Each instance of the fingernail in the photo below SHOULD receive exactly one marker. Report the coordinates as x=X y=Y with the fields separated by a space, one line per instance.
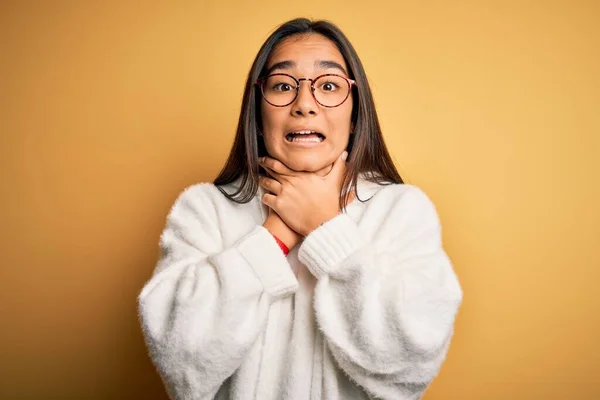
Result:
x=344 y=155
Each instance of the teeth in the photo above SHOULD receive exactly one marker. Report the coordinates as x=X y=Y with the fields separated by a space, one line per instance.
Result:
x=297 y=136
x=304 y=132
x=301 y=139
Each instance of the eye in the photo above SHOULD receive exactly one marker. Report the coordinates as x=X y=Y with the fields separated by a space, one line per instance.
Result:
x=329 y=86
x=282 y=87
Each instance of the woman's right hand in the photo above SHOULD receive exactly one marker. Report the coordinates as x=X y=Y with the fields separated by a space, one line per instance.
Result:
x=278 y=228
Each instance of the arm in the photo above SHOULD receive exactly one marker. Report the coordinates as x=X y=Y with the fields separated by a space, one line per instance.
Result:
x=386 y=308
x=205 y=305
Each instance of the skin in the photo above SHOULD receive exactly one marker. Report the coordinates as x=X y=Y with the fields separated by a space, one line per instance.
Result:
x=334 y=123
x=305 y=182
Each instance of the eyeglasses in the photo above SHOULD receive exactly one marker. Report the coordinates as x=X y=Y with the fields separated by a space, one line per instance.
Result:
x=329 y=90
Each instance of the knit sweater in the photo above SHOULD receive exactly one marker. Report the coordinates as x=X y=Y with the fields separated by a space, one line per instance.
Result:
x=362 y=308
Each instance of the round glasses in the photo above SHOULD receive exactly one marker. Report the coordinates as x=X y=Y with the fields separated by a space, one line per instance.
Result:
x=329 y=90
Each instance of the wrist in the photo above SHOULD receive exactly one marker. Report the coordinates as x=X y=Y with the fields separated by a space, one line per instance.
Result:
x=320 y=221
x=281 y=231
x=282 y=245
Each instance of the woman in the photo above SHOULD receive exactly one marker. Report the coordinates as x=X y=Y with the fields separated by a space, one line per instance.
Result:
x=308 y=270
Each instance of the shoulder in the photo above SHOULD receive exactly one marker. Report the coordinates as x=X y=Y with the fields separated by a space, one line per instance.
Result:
x=403 y=194
x=201 y=193
x=206 y=199
x=407 y=193
x=401 y=216
x=199 y=200
x=404 y=203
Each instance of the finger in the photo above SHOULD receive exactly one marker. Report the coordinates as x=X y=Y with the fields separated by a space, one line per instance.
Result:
x=270 y=200
x=274 y=174
x=270 y=185
x=339 y=165
x=276 y=165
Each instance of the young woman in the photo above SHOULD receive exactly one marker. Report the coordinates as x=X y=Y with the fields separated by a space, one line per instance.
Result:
x=308 y=269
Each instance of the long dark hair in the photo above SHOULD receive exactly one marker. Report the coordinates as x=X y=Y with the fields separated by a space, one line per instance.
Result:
x=368 y=155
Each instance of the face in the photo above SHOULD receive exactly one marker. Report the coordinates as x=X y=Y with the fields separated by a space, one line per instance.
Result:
x=306 y=57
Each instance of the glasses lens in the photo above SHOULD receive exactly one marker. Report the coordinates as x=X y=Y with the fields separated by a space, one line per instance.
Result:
x=331 y=90
x=279 y=90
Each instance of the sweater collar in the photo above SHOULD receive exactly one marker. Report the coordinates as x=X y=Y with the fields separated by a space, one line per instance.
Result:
x=365 y=188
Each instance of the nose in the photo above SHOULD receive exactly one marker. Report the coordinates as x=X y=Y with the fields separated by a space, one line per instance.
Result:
x=305 y=104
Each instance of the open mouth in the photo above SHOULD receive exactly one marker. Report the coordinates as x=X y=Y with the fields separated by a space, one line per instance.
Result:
x=305 y=136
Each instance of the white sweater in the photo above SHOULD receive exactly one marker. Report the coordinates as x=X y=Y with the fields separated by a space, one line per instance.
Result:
x=363 y=308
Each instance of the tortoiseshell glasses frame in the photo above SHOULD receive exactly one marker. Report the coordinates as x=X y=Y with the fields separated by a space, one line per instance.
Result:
x=349 y=82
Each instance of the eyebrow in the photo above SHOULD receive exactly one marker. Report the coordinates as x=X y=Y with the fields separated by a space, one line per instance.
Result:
x=321 y=64
x=326 y=64
x=281 y=65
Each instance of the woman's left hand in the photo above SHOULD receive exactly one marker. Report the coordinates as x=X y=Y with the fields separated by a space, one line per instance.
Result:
x=303 y=200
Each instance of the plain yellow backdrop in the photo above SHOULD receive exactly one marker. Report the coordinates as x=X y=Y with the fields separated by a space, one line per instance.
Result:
x=109 y=109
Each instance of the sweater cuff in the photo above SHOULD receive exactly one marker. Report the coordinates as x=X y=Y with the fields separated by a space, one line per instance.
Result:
x=324 y=249
x=270 y=265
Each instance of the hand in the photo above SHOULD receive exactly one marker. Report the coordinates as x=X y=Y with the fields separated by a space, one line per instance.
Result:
x=275 y=225
x=303 y=200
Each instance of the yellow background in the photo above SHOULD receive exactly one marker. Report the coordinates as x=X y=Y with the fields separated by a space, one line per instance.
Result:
x=109 y=109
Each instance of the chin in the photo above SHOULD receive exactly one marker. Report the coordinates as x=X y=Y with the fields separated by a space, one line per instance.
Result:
x=306 y=164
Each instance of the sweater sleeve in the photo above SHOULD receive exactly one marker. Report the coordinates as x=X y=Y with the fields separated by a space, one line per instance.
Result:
x=387 y=306
x=205 y=305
